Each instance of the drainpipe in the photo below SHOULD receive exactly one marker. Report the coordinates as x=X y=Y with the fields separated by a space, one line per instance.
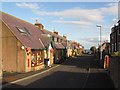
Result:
x=24 y=60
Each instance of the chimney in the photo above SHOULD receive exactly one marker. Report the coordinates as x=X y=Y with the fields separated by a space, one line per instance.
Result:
x=64 y=36
x=39 y=25
x=55 y=32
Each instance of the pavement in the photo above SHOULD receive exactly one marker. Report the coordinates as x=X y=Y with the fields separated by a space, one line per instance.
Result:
x=11 y=77
x=78 y=72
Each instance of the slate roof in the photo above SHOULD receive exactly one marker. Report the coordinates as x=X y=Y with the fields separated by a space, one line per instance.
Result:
x=59 y=46
x=46 y=39
x=64 y=44
x=29 y=35
x=25 y=32
x=53 y=34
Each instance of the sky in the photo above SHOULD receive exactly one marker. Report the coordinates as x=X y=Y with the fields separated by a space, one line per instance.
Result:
x=76 y=20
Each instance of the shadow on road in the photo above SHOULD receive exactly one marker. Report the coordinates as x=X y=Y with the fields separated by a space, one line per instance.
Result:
x=88 y=61
x=76 y=72
x=63 y=79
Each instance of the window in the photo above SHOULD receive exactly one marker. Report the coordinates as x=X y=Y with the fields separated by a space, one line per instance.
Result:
x=23 y=31
x=61 y=40
x=112 y=30
x=27 y=31
x=119 y=47
x=119 y=31
x=112 y=48
x=115 y=46
x=57 y=39
x=36 y=58
x=52 y=38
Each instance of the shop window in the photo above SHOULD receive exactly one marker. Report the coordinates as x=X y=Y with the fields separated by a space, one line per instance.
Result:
x=39 y=59
x=36 y=58
x=33 y=60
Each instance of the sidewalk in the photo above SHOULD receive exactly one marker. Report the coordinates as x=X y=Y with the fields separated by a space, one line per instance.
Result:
x=10 y=77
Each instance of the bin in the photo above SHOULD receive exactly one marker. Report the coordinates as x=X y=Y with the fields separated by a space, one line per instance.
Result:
x=46 y=61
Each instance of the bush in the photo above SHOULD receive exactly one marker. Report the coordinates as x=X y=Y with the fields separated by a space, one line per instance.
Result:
x=116 y=53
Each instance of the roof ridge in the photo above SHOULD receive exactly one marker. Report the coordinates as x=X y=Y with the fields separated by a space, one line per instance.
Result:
x=17 y=18
x=23 y=39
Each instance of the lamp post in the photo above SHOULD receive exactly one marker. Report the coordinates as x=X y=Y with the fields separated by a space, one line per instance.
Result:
x=100 y=41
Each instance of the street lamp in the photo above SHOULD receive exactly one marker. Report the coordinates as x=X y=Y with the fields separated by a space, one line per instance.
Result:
x=100 y=26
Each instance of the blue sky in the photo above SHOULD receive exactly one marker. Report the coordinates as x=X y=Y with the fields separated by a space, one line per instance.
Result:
x=76 y=20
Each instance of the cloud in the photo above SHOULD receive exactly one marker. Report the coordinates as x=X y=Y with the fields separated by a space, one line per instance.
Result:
x=83 y=16
x=34 y=18
x=33 y=6
x=87 y=42
x=73 y=22
x=76 y=13
x=111 y=8
x=94 y=39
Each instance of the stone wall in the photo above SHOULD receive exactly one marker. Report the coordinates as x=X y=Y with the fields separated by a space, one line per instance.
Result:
x=115 y=71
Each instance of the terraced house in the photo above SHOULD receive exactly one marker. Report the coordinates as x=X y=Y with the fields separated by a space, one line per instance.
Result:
x=27 y=47
x=22 y=47
x=59 y=44
x=115 y=38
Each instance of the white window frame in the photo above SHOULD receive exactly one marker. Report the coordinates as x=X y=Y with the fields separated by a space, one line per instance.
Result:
x=112 y=48
x=118 y=31
x=119 y=46
x=115 y=47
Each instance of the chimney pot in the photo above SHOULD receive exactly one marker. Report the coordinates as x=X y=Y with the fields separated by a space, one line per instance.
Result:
x=64 y=36
x=55 y=32
x=39 y=25
x=36 y=21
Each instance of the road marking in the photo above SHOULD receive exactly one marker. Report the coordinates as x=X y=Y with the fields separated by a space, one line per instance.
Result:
x=29 y=76
x=86 y=79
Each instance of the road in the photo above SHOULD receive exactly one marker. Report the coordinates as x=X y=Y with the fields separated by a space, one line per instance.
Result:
x=78 y=72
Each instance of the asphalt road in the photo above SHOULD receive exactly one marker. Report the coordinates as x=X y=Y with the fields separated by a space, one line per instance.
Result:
x=78 y=72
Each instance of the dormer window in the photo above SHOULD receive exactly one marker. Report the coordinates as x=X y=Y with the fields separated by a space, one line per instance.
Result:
x=52 y=38
x=60 y=40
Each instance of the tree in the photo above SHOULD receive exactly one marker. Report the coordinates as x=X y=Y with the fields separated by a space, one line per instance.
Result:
x=93 y=49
